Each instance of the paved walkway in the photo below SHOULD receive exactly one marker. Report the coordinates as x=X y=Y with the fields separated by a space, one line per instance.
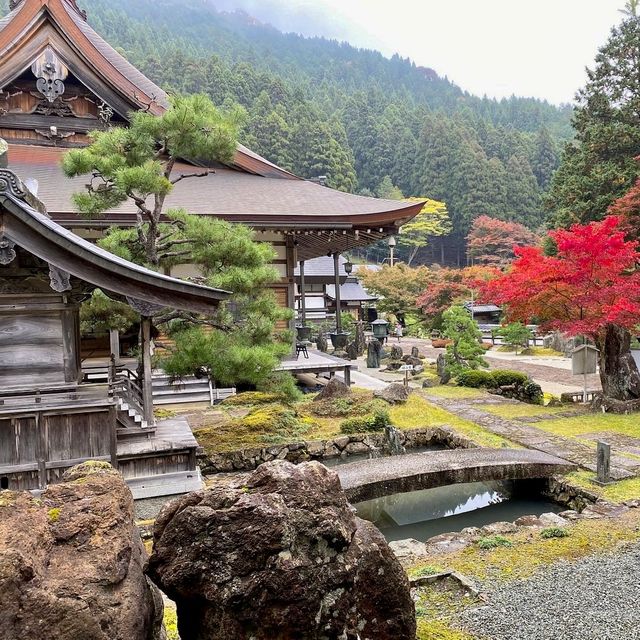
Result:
x=532 y=437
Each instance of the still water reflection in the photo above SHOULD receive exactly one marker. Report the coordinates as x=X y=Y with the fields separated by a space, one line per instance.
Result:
x=422 y=514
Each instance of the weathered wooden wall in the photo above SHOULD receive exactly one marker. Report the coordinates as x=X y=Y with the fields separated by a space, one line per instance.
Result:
x=36 y=447
x=38 y=344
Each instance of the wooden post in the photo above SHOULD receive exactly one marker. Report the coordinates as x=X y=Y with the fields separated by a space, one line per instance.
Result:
x=114 y=345
x=336 y=273
x=147 y=388
x=113 y=437
x=303 y=300
x=347 y=375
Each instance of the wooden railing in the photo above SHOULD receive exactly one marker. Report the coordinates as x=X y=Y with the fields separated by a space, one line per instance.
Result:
x=126 y=386
x=49 y=398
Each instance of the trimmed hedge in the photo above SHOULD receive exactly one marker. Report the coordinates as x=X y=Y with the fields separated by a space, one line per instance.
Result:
x=503 y=377
x=511 y=384
x=476 y=378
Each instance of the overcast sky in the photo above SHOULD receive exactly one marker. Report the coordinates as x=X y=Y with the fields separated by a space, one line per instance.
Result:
x=499 y=47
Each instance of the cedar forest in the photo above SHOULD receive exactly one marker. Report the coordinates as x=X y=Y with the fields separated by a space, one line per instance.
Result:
x=372 y=125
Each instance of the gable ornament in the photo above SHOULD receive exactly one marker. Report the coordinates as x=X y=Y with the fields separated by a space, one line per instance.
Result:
x=50 y=73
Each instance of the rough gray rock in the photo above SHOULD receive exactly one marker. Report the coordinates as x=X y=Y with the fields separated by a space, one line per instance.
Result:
x=321 y=343
x=396 y=352
x=279 y=555
x=374 y=353
x=441 y=367
x=71 y=562
x=409 y=548
x=395 y=393
x=334 y=389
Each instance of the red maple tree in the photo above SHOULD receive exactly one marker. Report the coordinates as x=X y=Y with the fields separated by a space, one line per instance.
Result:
x=448 y=286
x=492 y=241
x=591 y=286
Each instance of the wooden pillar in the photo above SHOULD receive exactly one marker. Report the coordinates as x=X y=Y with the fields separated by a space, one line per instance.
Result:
x=113 y=437
x=147 y=388
x=114 y=345
x=303 y=300
x=336 y=273
x=347 y=375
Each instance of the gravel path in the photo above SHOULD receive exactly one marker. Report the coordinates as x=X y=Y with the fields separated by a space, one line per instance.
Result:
x=595 y=598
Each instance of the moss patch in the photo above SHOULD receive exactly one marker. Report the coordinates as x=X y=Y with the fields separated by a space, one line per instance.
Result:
x=529 y=551
x=617 y=492
x=628 y=425
x=53 y=514
x=251 y=398
x=436 y=604
x=439 y=630
x=449 y=391
x=171 y=622
x=418 y=412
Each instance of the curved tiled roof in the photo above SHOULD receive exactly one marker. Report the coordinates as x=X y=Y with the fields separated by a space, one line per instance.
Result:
x=229 y=194
x=35 y=231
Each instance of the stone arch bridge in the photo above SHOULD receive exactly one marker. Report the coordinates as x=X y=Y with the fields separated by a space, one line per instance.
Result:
x=380 y=477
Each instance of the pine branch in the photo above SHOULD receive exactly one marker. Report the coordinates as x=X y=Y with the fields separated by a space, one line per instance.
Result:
x=182 y=176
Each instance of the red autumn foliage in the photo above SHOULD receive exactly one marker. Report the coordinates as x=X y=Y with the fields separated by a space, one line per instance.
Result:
x=448 y=286
x=492 y=241
x=592 y=282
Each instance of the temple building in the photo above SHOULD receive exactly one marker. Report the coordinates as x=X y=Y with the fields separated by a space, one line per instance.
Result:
x=59 y=80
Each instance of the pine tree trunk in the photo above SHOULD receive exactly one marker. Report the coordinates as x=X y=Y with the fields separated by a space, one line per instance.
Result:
x=619 y=374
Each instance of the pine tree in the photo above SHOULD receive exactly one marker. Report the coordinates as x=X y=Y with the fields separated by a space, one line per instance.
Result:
x=545 y=158
x=599 y=166
x=135 y=165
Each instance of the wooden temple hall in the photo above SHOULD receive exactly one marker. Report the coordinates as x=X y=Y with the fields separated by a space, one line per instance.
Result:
x=59 y=80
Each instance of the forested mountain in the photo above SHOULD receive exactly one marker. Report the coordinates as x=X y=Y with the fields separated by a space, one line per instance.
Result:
x=321 y=107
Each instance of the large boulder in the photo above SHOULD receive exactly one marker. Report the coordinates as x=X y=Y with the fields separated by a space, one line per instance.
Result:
x=334 y=389
x=395 y=393
x=71 y=562
x=279 y=556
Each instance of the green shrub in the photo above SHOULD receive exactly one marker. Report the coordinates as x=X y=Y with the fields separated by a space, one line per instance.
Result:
x=281 y=384
x=492 y=542
x=554 y=532
x=475 y=378
x=504 y=377
x=376 y=421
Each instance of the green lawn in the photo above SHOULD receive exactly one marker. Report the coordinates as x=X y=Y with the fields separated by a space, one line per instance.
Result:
x=628 y=425
x=449 y=391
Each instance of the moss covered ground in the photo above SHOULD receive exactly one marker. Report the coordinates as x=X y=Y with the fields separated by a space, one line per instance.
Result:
x=628 y=425
x=235 y=426
x=438 y=603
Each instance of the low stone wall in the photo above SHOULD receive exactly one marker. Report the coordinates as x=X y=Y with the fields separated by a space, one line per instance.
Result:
x=568 y=495
x=341 y=446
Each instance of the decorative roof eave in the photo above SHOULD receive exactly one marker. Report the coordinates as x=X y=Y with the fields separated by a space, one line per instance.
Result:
x=34 y=231
x=26 y=20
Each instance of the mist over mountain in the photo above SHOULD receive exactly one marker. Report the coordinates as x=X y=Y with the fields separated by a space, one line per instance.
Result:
x=370 y=123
